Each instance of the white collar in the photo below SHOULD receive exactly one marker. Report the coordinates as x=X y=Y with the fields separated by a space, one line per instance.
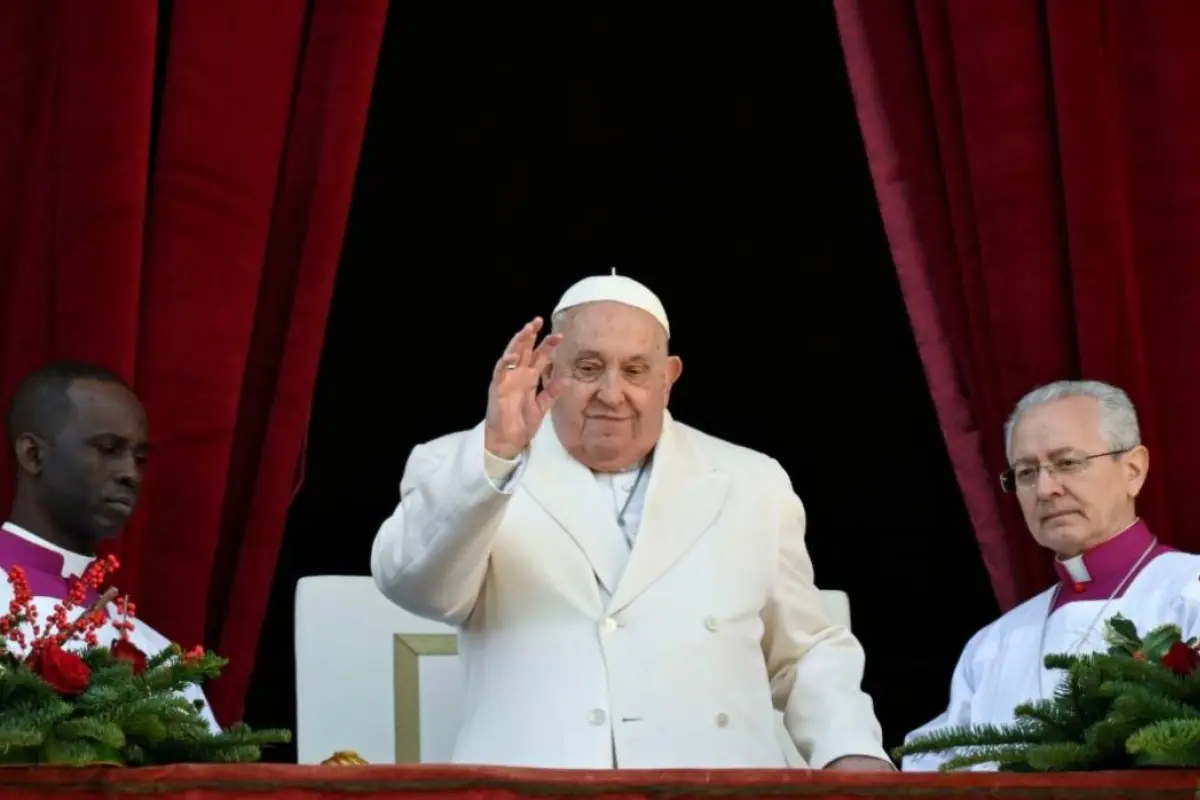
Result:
x=74 y=564
x=1076 y=568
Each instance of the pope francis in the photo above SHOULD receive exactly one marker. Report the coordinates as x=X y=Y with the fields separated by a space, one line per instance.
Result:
x=630 y=592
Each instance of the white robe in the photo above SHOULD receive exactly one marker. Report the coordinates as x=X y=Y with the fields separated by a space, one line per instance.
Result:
x=582 y=652
x=145 y=638
x=1002 y=665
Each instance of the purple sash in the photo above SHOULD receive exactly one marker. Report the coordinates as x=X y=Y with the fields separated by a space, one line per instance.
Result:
x=43 y=568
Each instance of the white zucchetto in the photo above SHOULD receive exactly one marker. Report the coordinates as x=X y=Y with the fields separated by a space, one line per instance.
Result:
x=615 y=288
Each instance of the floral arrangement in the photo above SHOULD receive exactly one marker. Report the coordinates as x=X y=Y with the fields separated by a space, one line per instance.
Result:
x=103 y=704
x=1135 y=706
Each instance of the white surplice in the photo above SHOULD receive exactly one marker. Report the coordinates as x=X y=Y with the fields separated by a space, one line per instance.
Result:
x=144 y=637
x=1002 y=665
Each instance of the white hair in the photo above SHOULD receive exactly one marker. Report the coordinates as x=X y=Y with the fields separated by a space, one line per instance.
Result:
x=559 y=320
x=1118 y=418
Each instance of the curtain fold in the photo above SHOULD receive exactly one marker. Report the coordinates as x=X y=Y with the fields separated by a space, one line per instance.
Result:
x=202 y=271
x=1035 y=165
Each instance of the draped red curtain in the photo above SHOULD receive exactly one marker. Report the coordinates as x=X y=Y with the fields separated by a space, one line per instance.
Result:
x=184 y=229
x=1037 y=165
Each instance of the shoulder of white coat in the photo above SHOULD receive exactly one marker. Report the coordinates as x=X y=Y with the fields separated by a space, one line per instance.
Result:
x=447 y=442
x=723 y=454
x=440 y=447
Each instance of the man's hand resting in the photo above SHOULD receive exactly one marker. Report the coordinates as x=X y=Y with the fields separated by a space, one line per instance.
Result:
x=860 y=764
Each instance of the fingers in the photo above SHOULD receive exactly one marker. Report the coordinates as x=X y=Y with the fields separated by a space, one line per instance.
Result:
x=503 y=366
x=541 y=356
x=545 y=398
x=535 y=406
x=521 y=353
x=522 y=343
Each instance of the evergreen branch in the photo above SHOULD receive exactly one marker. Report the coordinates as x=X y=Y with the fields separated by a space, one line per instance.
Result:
x=120 y=718
x=1061 y=757
x=1053 y=721
x=1121 y=709
x=1106 y=668
x=962 y=738
x=1146 y=703
x=1167 y=743
x=1063 y=661
x=1002 y=755
x=104 y=705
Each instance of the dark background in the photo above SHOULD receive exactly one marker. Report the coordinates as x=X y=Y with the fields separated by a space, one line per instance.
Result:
x=714 y=155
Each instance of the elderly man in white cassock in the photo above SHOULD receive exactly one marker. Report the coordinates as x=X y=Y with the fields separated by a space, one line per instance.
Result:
x=1077 y=466
x=630 y=592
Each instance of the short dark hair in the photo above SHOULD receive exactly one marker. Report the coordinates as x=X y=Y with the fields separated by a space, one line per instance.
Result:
x=41 y=405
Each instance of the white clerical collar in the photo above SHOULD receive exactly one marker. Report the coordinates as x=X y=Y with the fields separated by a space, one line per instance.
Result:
x=74 y=564
x=630 y=471
x=1076 y=566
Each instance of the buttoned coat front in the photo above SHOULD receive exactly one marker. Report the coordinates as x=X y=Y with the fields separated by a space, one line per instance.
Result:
x=672 y=655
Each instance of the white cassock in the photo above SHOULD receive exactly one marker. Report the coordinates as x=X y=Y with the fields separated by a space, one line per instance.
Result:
x=145 y=638
x=666 y=644
x=1002 y=665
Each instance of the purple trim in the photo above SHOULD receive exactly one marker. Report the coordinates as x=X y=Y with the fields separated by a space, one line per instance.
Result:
x=43 y=568
x=1109 y=564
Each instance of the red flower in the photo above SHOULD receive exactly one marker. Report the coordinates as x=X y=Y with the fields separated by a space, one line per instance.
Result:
x=65 y=672
x=1181 y=659
x=124 y=650
x=192 y=656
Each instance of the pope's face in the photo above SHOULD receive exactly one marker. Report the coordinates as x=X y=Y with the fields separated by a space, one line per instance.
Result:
x=1086 y=500
x=618 y=379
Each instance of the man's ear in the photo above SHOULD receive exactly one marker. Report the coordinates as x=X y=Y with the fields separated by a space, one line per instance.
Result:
x=30 y=452
x=674 y=370
x=1137 y=464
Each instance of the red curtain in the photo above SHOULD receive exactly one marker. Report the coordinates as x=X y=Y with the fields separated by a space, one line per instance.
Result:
x=201 y=269
x=1037 y=166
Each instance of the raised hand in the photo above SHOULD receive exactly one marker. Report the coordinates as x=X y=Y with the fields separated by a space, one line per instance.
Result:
x=516 y=407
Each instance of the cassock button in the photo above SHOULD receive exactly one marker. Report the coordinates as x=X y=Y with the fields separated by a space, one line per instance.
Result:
x=597 y=716
x=610 y=625
x=722 y=720
x=1079 y=587
x=711 y=623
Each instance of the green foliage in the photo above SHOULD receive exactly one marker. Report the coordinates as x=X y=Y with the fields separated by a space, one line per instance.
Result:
x=1122 y=709
x=120 y=718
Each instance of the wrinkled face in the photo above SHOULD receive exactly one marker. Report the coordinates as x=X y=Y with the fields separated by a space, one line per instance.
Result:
x=89 y=476
x=1086 y=500
x=618 y=378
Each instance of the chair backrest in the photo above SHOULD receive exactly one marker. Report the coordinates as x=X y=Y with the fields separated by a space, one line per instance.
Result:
x=375 y=679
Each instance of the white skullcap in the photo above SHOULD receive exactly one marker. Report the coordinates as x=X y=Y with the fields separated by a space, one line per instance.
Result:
x=615 y=288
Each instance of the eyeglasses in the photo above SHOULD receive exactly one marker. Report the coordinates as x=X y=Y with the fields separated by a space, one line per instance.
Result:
x=1026 y=475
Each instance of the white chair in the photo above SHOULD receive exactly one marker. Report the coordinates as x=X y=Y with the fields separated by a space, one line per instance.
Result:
x=375 y=679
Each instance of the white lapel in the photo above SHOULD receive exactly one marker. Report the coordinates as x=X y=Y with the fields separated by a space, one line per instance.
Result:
x=567 y=490
x=684 y=496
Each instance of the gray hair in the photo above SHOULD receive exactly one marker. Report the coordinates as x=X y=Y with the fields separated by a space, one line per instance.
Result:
x=1118 y=418
x=559 y=320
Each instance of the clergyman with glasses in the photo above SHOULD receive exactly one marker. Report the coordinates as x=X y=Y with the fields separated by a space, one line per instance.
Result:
x=1076 y=465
